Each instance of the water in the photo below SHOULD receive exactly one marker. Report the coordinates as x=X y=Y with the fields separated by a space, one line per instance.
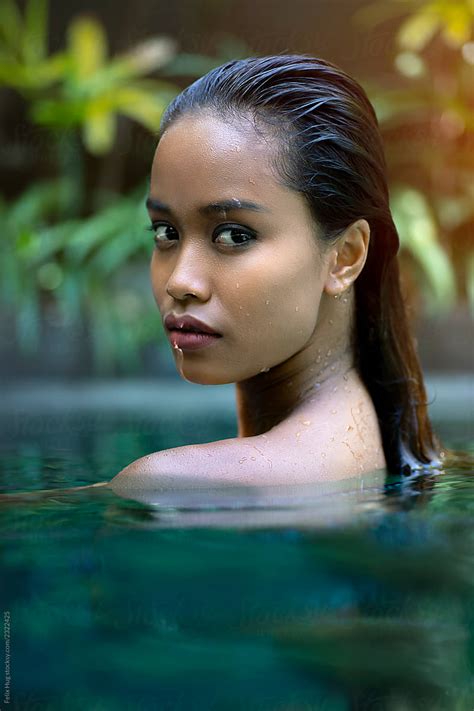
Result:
x=355 y=598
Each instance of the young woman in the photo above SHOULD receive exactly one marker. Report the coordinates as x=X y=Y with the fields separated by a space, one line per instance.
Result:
x=275 y=267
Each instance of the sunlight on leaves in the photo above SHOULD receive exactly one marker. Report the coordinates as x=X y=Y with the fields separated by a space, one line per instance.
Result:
x=410 y=64
x=99 y=127
x=87 y=46
x=454 y=19
x=149 y=55
x=419 y=234
x=421 y=20
x=418 y=30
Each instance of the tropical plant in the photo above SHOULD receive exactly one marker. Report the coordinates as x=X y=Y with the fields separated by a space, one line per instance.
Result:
x=427 y=124
x=64 y=250
x=80 y=87
x=76 y=266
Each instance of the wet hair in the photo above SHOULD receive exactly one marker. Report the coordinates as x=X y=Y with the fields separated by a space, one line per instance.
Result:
x=329 y=149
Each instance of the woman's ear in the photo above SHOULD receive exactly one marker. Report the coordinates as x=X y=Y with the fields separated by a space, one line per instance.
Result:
x=347 y=258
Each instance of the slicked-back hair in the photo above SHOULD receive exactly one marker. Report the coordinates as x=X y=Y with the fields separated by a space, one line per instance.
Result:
x=329 y=149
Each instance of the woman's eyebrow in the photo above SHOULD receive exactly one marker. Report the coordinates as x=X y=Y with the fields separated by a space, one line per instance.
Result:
x=222 y=206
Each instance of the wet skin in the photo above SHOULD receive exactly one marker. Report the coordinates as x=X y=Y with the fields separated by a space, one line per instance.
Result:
x=283 y=304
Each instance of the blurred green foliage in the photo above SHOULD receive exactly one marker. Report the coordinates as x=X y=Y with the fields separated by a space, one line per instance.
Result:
x=427 y=123
x=56 y=253
x=80 y=87
x=78 y=263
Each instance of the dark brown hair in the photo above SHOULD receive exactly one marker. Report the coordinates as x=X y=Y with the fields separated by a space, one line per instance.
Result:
x=329 y=149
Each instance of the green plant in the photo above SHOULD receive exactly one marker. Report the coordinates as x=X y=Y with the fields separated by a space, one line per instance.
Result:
x=427 y=124
x=66 y=250
x=78 y=266
x=81 y=87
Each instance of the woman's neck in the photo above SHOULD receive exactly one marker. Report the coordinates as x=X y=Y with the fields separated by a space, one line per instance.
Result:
x=320 y=368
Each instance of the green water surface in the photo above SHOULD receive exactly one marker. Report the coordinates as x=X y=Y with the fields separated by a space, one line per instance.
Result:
x=359 y=599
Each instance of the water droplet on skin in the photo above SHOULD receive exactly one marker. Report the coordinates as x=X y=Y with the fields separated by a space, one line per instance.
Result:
x=334 y=389
x=329 y=352
x=241 y=461
x=298 y=434
x=265 y=370
x=251 y=181
x=345 y=302
x=264 y=436
x=346 y=389
x=306 y=422
x=253 y=459
x=179 y=360
x=333 y=367
x=317 y=385
x=333 y=412
x=297 y=308
x=325 y=363
x=267 y=302
x=318 y=359
x=241 y=307
x=331 y=321
x=247 y=314
x=237 y=285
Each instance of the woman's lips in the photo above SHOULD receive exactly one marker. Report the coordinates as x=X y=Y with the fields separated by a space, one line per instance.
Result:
x=191 y=341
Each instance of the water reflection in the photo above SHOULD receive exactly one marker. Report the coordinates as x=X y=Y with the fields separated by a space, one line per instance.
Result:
x=355 y=596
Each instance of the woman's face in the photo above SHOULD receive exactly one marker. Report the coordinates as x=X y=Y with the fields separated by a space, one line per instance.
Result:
x=254 y=275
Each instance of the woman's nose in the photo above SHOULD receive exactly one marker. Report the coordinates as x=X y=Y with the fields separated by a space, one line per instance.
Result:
x=188 y=279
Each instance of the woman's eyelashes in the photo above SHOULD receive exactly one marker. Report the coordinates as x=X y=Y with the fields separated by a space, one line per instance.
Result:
x=243 y=236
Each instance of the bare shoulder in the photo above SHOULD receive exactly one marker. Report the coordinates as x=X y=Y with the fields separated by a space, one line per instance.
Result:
x=323 y=441
x=338 y=436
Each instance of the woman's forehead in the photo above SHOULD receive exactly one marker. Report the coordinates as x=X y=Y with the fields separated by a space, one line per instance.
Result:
x=206 y=160
x=193 y=140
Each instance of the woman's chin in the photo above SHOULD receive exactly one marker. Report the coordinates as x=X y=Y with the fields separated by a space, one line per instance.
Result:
x=200 y=378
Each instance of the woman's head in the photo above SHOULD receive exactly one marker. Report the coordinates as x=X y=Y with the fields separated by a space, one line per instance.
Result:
x=323 y=131
x=256 y=272
x=298 y=136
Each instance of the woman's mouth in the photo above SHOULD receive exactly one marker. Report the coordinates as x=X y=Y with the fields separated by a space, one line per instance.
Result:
x=191 y=340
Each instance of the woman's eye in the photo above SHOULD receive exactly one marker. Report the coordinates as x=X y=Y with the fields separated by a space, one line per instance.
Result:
x=161 y=233
x=235 y=233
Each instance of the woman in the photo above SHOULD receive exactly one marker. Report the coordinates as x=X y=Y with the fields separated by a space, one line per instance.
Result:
x=270 y=215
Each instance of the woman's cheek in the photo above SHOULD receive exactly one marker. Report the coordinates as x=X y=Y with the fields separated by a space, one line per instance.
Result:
x=158 y=284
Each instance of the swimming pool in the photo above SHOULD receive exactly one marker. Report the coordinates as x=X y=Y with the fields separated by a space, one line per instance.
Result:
x=360 y=598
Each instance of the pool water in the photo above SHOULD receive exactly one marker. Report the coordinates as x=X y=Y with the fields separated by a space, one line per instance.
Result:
x=359 y=598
